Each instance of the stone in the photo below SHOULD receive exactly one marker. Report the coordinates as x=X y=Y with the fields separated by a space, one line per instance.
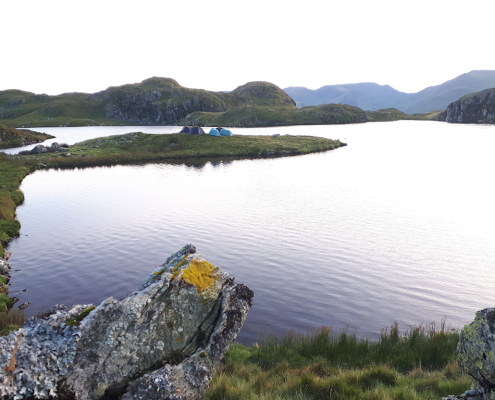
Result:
x=6 y=255
x=4 y=267
x=39 y=149
x=165 y=340
x=23 y=306
x=475 y=352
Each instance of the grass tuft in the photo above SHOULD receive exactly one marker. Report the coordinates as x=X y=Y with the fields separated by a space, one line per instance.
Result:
x=323 y=365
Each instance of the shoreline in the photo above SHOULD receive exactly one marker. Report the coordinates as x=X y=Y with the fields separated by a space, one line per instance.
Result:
x=139 y=148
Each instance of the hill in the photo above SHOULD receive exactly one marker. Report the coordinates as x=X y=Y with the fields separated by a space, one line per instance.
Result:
x=11 y=137
x=371 y=96
x=474 y=108
x=162 y=101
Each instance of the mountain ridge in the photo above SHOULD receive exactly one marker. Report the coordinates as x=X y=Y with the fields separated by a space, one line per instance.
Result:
x=372 y=96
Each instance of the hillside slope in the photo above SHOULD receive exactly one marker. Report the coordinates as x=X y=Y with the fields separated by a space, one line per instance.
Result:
x=372 y=97
x=11 y=137
x=475 y=108
x=162 y=101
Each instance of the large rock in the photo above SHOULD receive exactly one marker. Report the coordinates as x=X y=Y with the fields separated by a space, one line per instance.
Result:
x=474 y=108
x=163 y=341
x=476 y=349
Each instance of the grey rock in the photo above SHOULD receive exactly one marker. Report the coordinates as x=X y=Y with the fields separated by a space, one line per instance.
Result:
x=4 y=267
x=163 y=341
x=7 y=255
x=475 y=108
x=476 y=349
x=39 y=149
x=23 y=306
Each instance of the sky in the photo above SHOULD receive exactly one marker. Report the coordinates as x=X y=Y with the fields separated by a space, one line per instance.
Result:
x=55 y=47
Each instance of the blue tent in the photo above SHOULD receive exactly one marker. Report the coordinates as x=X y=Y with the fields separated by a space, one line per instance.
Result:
x=214 y=132
x=197 y=130
x=186 y=129
x=225 y=132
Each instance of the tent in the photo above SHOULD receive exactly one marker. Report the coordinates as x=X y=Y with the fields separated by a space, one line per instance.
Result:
x=225 y=132
x=214 y=132
x=219 y=129
x=186 y=129
x=197 y=130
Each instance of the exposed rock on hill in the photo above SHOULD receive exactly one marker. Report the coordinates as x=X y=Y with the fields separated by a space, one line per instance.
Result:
x=475 y=108
x=163 y=341
x=162 y=101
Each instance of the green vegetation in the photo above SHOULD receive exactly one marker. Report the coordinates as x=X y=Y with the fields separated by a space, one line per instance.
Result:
x=392 y=114
x=251 y=116
x=12 y=172
x=164 y=101
x=10 y=321
x=146 y=147
x=11 y=137
x=420 y=364
x=76 y=321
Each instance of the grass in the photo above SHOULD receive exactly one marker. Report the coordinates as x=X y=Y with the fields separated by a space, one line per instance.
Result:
x=138 y=147
x=11 y=137
x=251 y=116
x=10 y=321
x=392 y=114
x=419 y=364
x=12 y=172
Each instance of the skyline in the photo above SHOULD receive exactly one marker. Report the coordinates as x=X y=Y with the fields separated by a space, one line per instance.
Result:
x=57 y=47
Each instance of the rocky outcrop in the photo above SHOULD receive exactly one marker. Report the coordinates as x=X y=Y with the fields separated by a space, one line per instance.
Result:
x=475 y=354
x=475 y=108
x=163 y=341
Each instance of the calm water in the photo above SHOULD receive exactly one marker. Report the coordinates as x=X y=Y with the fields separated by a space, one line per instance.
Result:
x=397 y=226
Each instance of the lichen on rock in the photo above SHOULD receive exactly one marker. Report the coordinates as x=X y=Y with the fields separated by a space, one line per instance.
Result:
x=475 y=352
x=163 y=341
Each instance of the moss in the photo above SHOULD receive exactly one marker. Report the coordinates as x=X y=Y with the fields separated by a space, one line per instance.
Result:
x=76 y=321
x=3 y=281
x=5 y=302
x=201 y=274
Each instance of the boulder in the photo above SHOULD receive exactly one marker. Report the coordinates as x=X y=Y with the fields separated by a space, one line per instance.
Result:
x=39 y=149
x=165 y=340
x=4 y=267
x=476 y=352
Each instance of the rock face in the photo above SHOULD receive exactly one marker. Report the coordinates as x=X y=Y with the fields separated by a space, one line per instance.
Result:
x=476 y=349
x=475 y=108
x=163 y=341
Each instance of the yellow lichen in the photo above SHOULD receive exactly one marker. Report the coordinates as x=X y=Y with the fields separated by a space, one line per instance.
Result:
x=201 y=274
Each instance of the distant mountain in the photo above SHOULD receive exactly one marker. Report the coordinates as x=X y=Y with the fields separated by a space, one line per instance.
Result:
x=371 y=96
x=474 y=108
x=162 y=101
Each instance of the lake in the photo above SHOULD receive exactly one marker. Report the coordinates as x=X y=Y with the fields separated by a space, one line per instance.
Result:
x=397 y=226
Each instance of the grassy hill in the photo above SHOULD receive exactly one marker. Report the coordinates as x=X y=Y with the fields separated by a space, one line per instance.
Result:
x=251 y=116
x=392 y=114
x=162 y=101
x=11 y=137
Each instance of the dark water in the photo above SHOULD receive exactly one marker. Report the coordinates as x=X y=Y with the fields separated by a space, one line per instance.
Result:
x=397 y=226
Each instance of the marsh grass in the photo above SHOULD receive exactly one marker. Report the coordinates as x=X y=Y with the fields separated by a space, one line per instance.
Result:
x=418 y=364
x=10 y=321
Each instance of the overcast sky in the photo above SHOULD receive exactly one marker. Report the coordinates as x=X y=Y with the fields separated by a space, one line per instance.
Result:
x=53 y=46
